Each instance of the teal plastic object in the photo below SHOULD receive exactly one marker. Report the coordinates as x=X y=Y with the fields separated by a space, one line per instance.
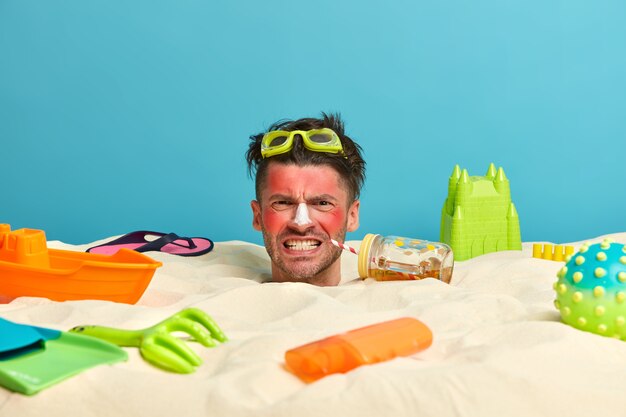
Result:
x=158 y=347
x=19 y=338
x=34 y=358
x=478 y=216
x=591 y=289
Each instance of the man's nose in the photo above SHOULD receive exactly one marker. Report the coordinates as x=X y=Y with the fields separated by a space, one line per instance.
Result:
x=301 y=219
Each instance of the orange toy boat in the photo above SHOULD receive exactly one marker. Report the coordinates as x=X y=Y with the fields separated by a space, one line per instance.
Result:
x=29 y=268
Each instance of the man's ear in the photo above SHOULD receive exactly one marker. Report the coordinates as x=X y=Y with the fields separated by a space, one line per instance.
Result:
x=256 y=215
x=353 y=216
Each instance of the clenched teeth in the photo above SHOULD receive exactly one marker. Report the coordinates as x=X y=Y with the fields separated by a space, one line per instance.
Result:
x=302 y=244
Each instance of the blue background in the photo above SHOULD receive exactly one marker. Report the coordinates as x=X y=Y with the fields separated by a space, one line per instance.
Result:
x=124 y=115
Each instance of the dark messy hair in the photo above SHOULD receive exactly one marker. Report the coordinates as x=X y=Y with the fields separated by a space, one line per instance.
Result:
x=350 y=166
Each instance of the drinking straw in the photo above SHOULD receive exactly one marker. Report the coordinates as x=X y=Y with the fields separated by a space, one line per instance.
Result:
x=344 y=247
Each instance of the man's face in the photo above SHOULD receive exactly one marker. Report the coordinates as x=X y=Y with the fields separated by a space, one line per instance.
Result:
x=297 y=236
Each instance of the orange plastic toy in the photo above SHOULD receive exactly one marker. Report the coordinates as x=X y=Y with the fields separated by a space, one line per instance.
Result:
x=366 y=345
x=29 y=268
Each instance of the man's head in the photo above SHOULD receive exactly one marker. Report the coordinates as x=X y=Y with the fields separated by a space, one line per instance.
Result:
x=306 y=197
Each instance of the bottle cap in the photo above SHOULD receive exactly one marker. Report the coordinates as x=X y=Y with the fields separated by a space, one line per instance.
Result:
x=364 y=254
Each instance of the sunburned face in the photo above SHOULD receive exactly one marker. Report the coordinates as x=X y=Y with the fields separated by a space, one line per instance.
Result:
x=301 y=209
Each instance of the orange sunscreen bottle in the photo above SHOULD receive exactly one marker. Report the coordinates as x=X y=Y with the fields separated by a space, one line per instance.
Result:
x=366 y=345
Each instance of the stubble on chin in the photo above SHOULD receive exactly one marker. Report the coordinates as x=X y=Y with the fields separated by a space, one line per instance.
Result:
x=299 y=270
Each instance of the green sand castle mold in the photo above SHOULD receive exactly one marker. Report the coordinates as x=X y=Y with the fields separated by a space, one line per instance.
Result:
x=478 y=216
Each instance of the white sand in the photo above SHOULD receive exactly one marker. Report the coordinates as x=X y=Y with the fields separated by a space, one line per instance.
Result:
x=499 y=347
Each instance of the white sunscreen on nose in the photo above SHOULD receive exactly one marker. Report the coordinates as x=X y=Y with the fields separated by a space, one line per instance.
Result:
x=302 y=215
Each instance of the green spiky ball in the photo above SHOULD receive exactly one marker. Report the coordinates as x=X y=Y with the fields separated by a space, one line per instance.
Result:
x=591 y=289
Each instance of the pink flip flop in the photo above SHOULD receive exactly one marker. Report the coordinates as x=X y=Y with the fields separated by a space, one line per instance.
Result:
x=169 y=243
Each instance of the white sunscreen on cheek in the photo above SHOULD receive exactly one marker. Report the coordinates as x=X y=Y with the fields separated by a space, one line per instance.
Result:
x=302 y=215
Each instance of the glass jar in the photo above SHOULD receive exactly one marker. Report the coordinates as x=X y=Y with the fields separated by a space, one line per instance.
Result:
x=391 y=258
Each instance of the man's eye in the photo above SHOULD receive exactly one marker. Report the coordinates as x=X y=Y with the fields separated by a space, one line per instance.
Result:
x=281 y=205
x=324 y=205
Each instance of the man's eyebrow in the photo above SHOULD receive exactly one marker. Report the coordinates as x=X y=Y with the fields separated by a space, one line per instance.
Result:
x=280 y=197
x=320 y=197
x=323 y=197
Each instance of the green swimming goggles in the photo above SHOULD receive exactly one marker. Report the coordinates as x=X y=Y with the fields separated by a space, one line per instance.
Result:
x=318 y=140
